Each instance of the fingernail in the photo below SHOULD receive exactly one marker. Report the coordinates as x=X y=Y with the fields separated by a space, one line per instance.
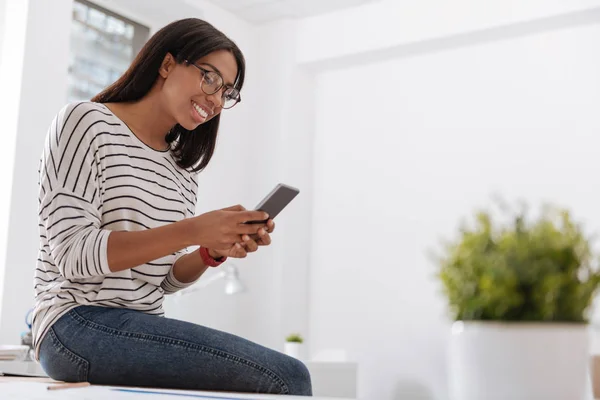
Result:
x=237 y=246
x=266 y=216
x=246 y=238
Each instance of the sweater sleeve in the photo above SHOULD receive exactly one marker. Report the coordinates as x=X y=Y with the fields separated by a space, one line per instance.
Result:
x=70 y=193
x=170 y=284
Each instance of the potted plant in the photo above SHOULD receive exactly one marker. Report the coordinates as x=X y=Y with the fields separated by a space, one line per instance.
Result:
x=519 y=293
x=293 y=345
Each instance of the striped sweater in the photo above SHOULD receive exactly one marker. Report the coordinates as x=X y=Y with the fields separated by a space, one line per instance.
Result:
x=96 y=176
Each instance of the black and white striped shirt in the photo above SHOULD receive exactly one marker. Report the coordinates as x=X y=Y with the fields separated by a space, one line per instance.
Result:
x=96 y=176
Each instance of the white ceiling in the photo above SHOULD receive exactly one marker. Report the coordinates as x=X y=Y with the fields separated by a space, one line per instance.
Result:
x=261 y=11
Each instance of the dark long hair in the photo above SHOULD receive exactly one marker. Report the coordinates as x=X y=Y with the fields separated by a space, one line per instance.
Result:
x=190 y=39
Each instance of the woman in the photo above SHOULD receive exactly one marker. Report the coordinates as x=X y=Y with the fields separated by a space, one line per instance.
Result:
x=118 y=192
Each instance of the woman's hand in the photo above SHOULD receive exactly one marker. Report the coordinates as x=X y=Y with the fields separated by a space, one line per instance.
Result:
x=250 y=243
x=221 y=230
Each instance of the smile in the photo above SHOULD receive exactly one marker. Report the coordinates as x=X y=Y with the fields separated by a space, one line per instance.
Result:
x=202 y=112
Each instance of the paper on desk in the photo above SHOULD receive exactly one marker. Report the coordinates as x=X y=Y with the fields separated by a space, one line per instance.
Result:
x=39 y=391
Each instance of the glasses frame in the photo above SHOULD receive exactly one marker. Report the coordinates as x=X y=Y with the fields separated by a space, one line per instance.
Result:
x=223 y=85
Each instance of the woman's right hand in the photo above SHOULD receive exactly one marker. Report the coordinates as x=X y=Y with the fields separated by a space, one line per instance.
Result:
x=222 y=229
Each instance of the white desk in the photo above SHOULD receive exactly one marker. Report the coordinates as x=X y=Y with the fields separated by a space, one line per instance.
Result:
x=329 y=379
x=34 y=389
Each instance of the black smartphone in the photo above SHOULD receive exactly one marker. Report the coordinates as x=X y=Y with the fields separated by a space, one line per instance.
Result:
x=276 y=201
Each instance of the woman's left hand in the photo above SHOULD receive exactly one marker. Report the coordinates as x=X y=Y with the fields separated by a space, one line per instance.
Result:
x=250 y=243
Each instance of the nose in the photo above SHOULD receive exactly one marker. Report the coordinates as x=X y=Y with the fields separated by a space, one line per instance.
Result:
x=216 y=98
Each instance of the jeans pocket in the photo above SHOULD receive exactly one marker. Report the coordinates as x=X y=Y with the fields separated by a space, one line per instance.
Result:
x=61 y=363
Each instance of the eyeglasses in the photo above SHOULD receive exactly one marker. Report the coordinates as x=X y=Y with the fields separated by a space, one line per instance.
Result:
x=212 y=82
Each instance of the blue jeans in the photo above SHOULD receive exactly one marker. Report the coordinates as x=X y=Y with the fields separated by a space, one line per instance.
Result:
x=109 y=346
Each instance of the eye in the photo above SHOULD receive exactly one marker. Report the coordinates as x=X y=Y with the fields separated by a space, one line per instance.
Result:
x=210 y=77
x=230 y=94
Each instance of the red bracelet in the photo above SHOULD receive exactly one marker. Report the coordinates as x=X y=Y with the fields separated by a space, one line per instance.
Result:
x=208 y=260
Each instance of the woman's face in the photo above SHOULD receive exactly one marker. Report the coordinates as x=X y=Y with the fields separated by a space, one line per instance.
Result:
x=182 y=91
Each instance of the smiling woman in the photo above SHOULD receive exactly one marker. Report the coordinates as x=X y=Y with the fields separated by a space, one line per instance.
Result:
x=165 y=56
x=118 y=190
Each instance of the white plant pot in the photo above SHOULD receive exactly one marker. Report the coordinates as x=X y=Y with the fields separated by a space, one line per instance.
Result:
x=519 y=361
x=293 y=349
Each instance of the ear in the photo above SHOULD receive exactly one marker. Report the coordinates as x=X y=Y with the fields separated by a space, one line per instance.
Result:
x=167 y=65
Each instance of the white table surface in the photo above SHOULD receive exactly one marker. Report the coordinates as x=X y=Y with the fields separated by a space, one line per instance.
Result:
x=36 y=389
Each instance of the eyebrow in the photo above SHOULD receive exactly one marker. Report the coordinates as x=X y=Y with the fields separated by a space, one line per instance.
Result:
x=217 y=71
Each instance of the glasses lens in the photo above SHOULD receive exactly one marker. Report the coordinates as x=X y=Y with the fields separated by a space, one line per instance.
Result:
x=211 y=82
x=231 y=97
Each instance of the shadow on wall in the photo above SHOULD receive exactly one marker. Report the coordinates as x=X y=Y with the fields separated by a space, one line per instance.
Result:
x=411 y=389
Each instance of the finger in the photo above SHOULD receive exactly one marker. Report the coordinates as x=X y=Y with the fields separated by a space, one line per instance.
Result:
x=265 y=238
x=238 y=251
x=237 y=207
x=229 y=241
x=270 y=226
x=251 y=216
x=250 y=245
x=249 y=229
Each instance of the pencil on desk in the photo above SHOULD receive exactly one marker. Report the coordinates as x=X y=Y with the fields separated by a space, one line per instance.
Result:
x=68 y=385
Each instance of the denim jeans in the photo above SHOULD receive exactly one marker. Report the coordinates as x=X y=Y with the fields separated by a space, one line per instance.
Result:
x=110 y=346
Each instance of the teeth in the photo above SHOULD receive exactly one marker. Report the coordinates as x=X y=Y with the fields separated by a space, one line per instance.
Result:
x=200 y=110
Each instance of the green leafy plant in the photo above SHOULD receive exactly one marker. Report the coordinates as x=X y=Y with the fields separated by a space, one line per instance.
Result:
x=526 y=269
x=294 y=337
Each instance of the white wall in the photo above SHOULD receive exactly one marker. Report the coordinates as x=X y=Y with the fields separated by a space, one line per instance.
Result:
x=13 y=15
x=33 y=82
x=6 y=176
x=2 y=24
x=400 y=159
x=386 y=24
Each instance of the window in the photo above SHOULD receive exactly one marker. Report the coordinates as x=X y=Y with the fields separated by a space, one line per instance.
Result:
x=103 y=44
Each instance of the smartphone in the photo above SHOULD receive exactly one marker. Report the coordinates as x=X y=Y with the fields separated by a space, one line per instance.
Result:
x=276 y=201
